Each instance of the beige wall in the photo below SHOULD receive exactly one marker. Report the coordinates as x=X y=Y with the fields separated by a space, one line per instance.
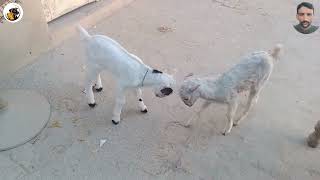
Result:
x=21 y=42
x=56 y=8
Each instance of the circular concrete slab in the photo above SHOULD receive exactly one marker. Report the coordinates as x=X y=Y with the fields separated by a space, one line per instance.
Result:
x=25 y=116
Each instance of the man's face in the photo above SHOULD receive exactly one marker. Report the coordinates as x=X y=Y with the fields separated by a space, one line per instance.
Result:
x=305 y=16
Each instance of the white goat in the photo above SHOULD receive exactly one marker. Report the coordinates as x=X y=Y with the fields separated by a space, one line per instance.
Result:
x=103 y=53
x=249 y=75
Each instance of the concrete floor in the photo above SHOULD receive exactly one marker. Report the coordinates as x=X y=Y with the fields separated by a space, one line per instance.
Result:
x=204 y=37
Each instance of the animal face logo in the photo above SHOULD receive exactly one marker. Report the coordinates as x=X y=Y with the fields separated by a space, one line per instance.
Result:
x=13 y=12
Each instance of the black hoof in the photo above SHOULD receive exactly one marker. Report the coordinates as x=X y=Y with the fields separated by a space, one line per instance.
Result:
x=234 y=125
x=224 y=134
x=99 y=89
x=144 y=111
x=115 y=122
x=92 y=105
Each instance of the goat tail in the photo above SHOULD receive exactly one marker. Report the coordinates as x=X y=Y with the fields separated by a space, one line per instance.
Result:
x=276 y=51
x=83 y=33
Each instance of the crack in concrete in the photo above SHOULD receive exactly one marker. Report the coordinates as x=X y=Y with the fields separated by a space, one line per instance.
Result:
x=170 y=166
x=174 y=166
x=24 y=169
x=224 y=4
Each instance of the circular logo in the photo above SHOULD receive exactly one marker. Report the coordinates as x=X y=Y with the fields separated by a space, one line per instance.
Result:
x=13 y=12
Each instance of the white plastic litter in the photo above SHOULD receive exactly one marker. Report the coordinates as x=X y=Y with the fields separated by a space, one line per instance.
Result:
x=102 y=141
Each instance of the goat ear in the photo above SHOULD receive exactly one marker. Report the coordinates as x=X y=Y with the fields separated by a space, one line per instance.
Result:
x=194 y=88
x=156 y=71
x=188 y=75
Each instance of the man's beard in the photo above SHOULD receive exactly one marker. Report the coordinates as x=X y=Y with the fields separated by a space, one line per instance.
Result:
x=305 y=24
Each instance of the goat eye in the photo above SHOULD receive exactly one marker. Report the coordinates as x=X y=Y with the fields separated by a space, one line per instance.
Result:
x=186 y=99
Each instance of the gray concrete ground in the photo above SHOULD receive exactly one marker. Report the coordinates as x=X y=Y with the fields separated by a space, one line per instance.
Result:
x=204 y=37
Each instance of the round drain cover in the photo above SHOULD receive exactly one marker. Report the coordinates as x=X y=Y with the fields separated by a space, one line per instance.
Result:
x=25 y=116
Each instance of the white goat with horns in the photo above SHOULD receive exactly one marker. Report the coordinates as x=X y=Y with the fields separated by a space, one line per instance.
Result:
x=249 y=75
x=103 y=53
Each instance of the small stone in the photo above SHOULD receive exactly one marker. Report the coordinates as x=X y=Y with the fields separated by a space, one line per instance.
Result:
x=165 y=29
x=55 y=124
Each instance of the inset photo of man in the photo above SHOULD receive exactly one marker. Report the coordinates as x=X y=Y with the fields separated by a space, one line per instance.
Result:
x=305 y=15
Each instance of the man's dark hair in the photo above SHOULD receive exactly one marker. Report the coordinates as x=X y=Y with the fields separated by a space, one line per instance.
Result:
x=305 y=4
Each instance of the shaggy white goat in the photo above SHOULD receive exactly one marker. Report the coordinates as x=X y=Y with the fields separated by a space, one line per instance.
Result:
x=249 y=75
x=103 y=53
